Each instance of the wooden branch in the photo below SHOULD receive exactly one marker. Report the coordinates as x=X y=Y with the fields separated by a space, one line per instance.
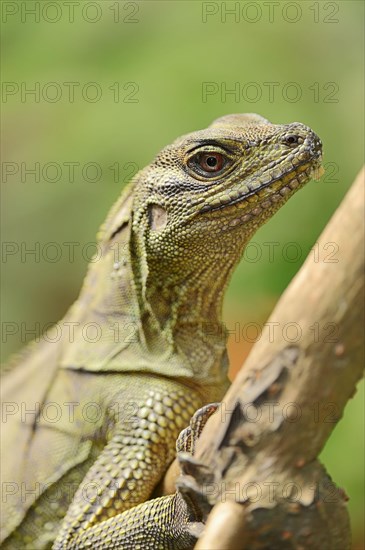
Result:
x=260 y=449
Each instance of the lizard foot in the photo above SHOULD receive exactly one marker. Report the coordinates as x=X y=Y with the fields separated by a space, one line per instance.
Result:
x=192 y=471
x=186 y=442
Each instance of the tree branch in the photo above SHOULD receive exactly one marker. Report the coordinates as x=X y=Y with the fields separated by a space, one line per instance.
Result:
x=256 y=461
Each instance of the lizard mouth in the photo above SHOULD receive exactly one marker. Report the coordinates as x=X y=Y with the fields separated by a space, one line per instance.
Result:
x=270 y=188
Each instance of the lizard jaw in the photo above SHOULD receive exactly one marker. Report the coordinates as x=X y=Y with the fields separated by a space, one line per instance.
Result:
x=258 y=195
x=260 y=187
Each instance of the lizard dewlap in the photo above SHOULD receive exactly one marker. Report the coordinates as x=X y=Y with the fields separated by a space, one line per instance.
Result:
x=158 y=351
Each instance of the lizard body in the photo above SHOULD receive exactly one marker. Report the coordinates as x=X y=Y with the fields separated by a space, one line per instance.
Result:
x=168 y=248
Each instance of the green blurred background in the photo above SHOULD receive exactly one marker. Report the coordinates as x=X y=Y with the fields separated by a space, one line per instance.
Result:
x=150 y=63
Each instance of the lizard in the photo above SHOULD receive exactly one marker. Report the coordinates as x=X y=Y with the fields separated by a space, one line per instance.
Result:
x=90 y=419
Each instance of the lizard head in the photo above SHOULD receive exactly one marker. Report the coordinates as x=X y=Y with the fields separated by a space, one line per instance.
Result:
x=210 y=190
x=181 y=226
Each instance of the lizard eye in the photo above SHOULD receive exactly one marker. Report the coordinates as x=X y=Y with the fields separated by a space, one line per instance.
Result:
x=211 y=162
x=207 y=164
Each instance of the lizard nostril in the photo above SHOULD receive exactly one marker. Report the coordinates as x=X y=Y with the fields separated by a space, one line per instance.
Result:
x=292 y=140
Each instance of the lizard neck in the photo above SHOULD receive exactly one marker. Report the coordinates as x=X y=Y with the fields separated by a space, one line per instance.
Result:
x=180 y=300
x=188 y=301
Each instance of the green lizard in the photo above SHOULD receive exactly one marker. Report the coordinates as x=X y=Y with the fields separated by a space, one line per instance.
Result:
x=91 y=418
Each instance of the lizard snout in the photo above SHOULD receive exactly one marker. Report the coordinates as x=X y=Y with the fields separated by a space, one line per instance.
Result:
x=301 y=135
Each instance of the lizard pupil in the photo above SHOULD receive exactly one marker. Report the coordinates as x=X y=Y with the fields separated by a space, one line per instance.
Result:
x=212 y=162
x=207 y=164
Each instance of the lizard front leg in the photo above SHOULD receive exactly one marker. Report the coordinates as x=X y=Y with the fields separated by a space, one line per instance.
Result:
x=132 y=462
x=159 y=523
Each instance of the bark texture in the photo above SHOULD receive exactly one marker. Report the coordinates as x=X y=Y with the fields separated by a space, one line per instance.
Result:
x=255 y=471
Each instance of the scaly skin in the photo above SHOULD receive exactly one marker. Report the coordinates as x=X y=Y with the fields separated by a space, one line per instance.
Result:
x=154 y=300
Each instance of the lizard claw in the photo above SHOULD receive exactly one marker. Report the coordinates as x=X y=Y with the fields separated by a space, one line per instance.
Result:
x=186 y=442
x=193 y=473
